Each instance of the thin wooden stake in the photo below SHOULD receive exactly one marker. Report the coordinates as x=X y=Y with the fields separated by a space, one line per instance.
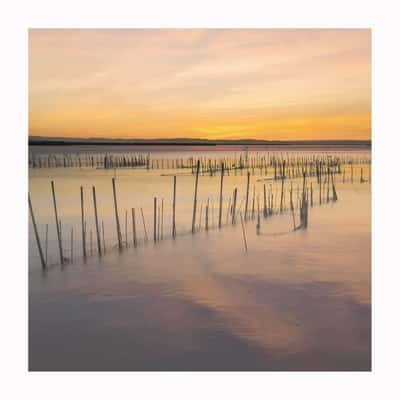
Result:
x=104 y=242
x=144 y=226
x=220 y=197
x=83 y=226
x=234 y=206
x=247 y=196
x=173 y=210
x=134 y=228
x=258 y=226
x=96 y=220
x=155 y=220
x=42 y=260
x=126 y=228
x=47 y=240
x=72 y=245
x=207 y=207
x=119 y=236
x=162 y=218
x=195 y=197
x=57 y=224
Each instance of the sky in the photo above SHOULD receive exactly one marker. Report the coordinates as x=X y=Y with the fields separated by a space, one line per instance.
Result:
x=273 y=84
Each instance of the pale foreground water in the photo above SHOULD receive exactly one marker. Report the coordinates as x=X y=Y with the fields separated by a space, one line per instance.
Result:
x=295 y=301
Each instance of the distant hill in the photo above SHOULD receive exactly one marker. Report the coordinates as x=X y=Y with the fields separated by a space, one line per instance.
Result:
x=43 y=141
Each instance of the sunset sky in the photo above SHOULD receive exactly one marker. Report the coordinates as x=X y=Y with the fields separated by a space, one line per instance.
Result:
x=217 y=84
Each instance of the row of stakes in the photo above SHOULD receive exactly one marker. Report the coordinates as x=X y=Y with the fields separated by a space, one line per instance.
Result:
x=304 y=201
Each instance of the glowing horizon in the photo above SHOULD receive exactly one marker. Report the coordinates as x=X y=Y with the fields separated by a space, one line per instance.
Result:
x=270 y=84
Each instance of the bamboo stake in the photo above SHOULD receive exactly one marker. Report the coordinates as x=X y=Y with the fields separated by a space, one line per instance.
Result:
x=195 y=196
x=119 y=236
x=162 y=218
x=60 y=234
x=144 y=226
x=234 y=206
x=133 y=228
x=83 y=227
x=42 y=260
x=72 y=245
x=96 y=220
x=155 y=220
x=47 y=240
x=126 y=228
x=254 y=198
x=258 y=226
x=281 y=204
x=247 y=196
x=265 y=201
x=220 y=197
x=173 y=210
x=294 y=219
x=207 y=207
x=104 y=242
x=57 y=224
x=158 y=222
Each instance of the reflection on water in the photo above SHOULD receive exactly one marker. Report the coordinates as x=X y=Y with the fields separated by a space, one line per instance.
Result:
x=295 y=301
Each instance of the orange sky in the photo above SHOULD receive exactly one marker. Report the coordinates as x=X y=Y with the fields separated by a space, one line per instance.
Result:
x=218 y=84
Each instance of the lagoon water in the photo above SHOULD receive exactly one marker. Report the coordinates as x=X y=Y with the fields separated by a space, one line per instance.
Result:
x=294 y=301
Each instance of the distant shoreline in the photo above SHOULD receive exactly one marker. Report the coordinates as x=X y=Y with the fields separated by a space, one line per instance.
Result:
x=44 y=141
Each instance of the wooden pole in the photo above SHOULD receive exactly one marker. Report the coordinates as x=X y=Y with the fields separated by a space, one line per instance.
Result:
x=220 y=197
x=281 y=203
x=155 y=220
x=47 y=240
x=134 y=228
x=96 y=220
x=173 y=210
x=72 y=245
x=83 y=226
x=144 y=226
x=61 y=235
x=104 y=242
x=195 y=197
x=119 y=236
x=57 y=224
x=265 y=201
x=158 y=222
x=247 y=196
x=234 y=206
x=254 y=199
x=42 y=260
x=162 y=218
x=126 y=228
x=207 y=208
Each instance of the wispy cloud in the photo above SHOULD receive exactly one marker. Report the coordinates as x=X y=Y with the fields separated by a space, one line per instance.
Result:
x=200 y=82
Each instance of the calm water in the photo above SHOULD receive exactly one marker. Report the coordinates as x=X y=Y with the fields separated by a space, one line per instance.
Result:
x=295 y=301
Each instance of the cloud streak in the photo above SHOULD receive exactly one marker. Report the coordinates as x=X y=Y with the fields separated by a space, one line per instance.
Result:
x=262 y=83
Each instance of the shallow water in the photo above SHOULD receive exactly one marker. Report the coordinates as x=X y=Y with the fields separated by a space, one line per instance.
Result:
x=295 y=301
